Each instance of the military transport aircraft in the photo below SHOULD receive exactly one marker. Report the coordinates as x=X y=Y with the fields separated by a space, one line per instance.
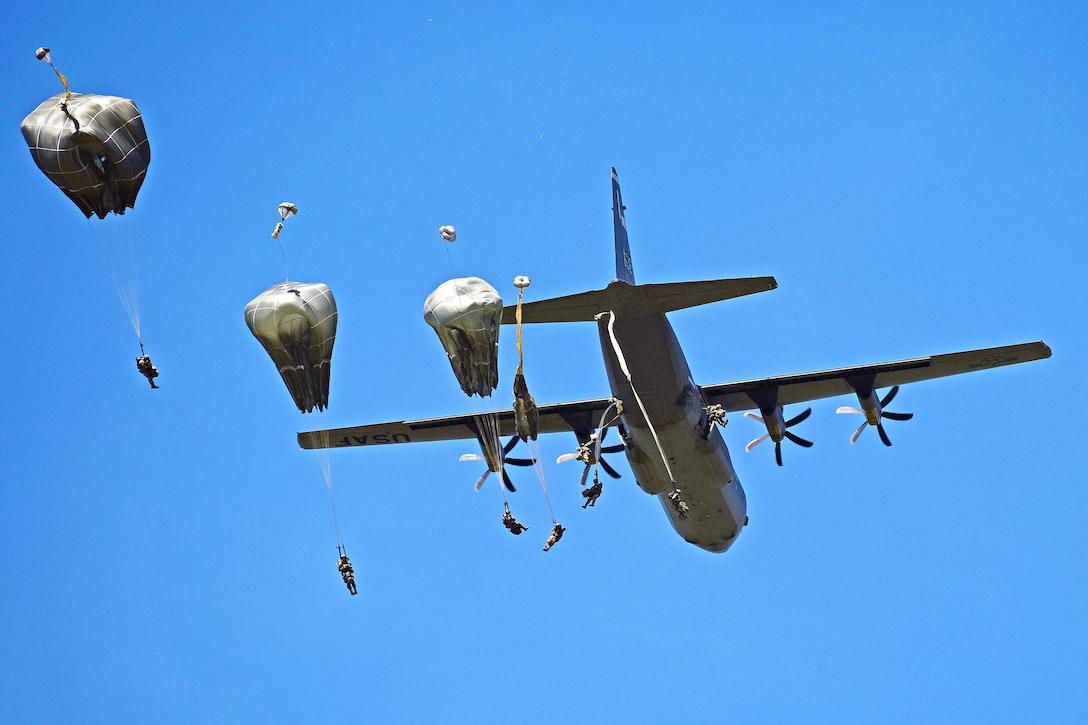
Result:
x=668 y=424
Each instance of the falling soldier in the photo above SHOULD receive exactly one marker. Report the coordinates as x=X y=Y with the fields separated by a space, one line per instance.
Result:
x=513 y=524
x=149 y=371
x=592 y=493
x=346 y=571
x=555 y=536
x=678 y=504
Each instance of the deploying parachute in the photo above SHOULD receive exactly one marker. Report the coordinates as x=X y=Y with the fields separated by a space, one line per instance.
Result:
x=526 y=415
x=93 y=147
x=296 y=324
x=287 y=210
x=465 y=313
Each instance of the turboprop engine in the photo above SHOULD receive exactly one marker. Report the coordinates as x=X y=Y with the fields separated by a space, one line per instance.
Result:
x=777 y=429
x=872 y=408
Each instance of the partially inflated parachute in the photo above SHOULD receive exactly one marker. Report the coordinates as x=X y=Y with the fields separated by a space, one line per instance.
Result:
x=296 y=324
x=465 y=313
x=93 y=147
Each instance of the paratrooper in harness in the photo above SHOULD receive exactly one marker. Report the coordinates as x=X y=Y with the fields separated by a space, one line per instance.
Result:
x=513 y=524
x=348 y=572
x=149 y=371
x=555 y=536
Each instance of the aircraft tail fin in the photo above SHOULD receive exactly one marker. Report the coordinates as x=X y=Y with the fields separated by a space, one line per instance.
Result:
x=623 y=292
x=624 y=271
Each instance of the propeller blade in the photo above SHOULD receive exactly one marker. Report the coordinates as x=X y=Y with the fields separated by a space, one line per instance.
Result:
x=471 y=457
x=891 y=394
x=883 y=435
x=754 y=416
x=585 y=473
x=797 y=419
x=510 y=446
x=897 y=416
x=854 y=438
x=756 y=442
x=888 y=398
x=609 y=469
x=613 y=449
x=482 y=479
x=507 y=481
x=520 y=461
x=566 y=457
x=798 y=440
x=778 y=452
x=848 y=409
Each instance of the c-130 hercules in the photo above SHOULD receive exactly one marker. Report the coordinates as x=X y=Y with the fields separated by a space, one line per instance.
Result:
x=667 y=421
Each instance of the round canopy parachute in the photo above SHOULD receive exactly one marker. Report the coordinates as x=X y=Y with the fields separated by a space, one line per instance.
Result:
x=466 y=313
x=287 y=210
x=93 y=147
x=296 y=324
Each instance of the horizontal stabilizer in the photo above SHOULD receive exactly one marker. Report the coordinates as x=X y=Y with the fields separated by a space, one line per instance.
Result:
x=666 y=297
x=681 y=295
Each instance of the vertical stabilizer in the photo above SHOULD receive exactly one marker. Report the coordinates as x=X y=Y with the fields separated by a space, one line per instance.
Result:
x=624 y=271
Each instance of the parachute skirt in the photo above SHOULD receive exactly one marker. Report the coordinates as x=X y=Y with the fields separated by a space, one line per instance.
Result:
x=93 y=147
x=296 y=324
x=465 y=313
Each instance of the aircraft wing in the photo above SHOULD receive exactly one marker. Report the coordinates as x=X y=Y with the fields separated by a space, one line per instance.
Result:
x=745 y=395
x=581 y=417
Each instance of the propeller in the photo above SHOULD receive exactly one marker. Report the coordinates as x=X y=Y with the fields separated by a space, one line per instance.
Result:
x=587 y=453
x=777 y=430
x=874 y=413
x=504 y=460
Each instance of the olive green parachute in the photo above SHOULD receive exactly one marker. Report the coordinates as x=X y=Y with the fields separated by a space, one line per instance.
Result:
x=465 y=313
x=296 y=324
x=93 y=147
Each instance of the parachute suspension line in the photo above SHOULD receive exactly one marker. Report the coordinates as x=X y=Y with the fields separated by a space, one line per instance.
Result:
x=449 y=236
x=287 y=210
x=489 y=431
x=534 y=455
x=450 y=258
x=44 y=56
x=286 y=274
x=117 y=249
x=324 y=460
x=675 y=495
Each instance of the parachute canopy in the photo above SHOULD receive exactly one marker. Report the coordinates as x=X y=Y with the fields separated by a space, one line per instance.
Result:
x=93 y=147
x=287 y=210
x=448 y=233
x=466 y=313
x=296 y=324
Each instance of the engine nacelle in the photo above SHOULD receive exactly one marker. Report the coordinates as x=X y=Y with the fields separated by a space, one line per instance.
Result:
x=870 y=406
x=775 y=422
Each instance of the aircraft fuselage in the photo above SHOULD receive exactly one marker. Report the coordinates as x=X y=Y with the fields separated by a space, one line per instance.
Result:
x=695 y=450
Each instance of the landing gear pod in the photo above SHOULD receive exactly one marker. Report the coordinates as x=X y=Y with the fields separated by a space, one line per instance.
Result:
x=296 y=324
x=465 y=313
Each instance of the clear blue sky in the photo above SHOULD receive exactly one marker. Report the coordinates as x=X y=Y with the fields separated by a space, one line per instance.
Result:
x=915 y=177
